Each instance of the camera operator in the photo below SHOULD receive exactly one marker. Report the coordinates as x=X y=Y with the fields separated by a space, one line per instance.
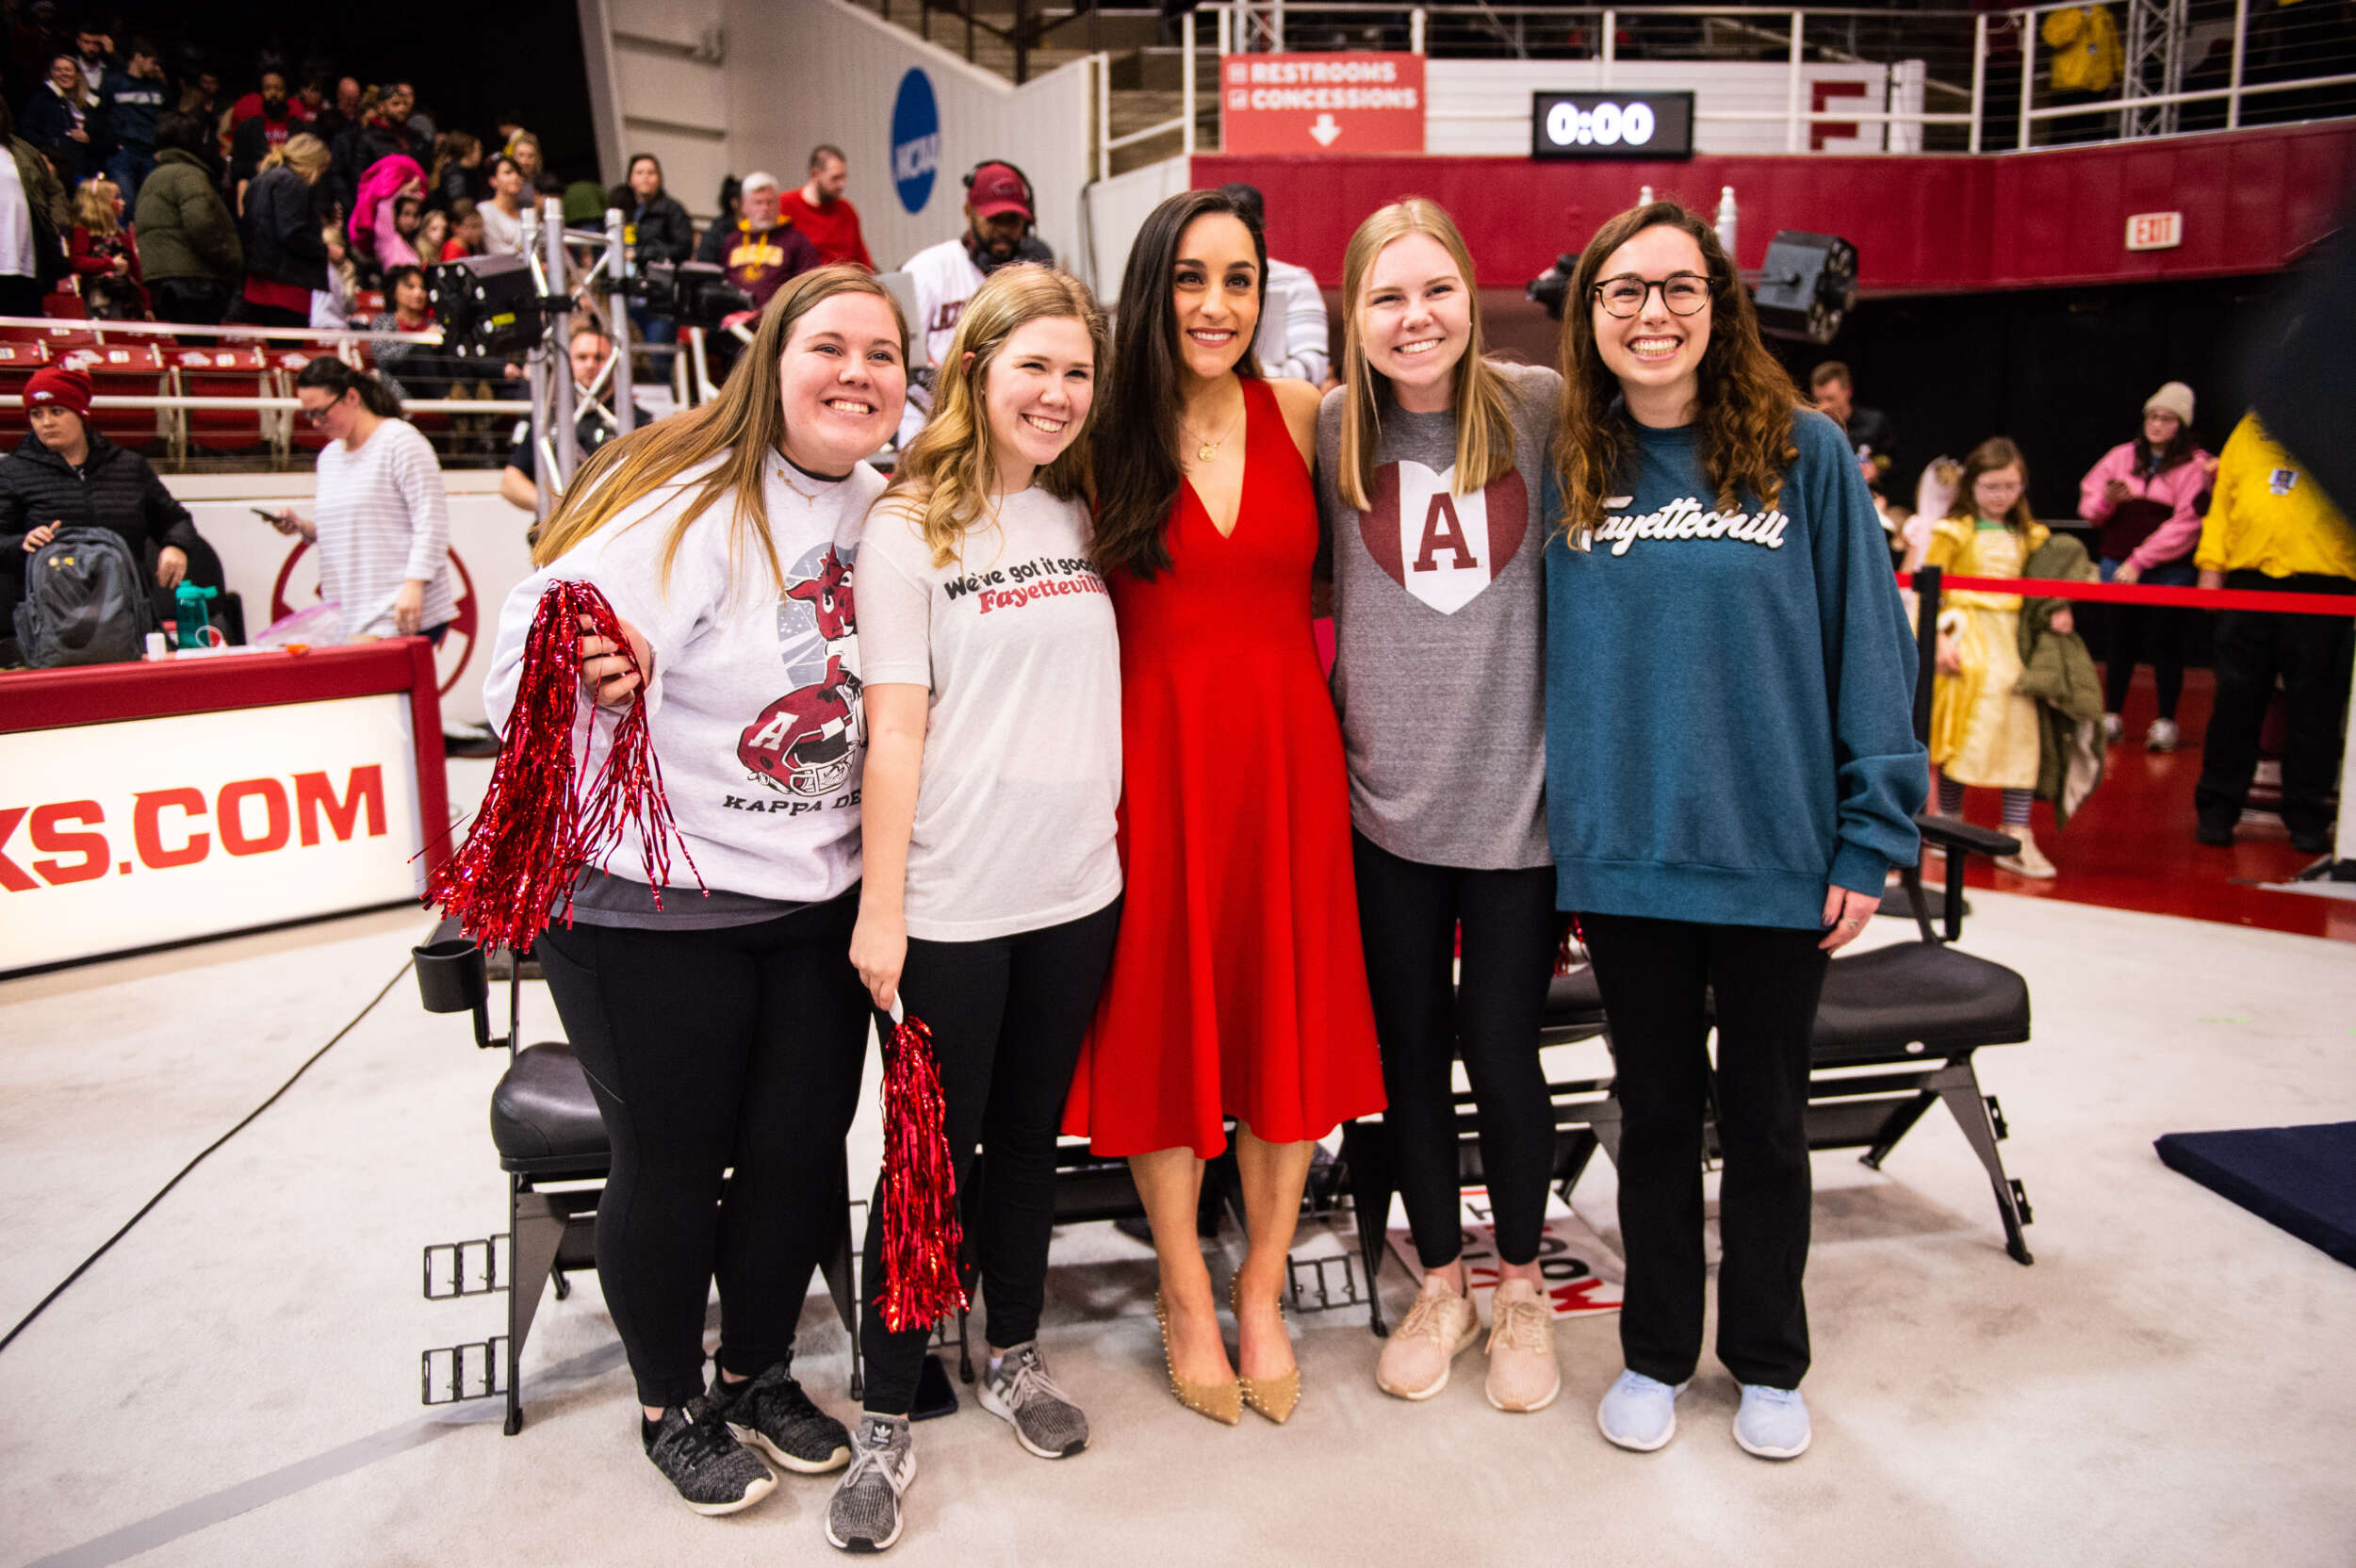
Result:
x=591 y=351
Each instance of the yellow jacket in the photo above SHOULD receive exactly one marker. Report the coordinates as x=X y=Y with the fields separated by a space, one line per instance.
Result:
x=2267 y=515
x=2085 y=41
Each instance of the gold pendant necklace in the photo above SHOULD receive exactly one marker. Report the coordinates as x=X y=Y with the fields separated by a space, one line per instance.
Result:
x=1207 y=450
x=810 y=499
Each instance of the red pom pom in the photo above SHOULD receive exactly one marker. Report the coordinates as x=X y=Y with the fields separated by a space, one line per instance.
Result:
x=543 y=819
x=922 y=1237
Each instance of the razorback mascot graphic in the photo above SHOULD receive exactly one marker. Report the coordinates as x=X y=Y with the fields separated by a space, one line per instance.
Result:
x=806 y=744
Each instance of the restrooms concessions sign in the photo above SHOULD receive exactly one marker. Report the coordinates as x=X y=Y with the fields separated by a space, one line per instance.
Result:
x=132 y=834
x=1320 y=104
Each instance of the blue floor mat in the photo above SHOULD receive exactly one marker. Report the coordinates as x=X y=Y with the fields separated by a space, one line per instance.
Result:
x=2303 y=1179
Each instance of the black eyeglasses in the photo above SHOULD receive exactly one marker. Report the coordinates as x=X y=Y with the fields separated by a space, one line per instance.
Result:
x=1683 y=293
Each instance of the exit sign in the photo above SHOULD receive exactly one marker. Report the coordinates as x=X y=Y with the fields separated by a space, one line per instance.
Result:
x=2156 y=230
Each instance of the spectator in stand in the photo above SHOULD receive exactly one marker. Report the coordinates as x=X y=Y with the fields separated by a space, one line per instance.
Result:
x=287 y=258
x=104 y=256
x=93 y=56
x=2273 y=530
x=67 y=475
x=374 y=224
x=128 y=103
x=187 y=239
x=272 y=122
x=762 y=249
x=409 y=224
x=381 y=521
x=457 y=159
x=382 y=132
x=200 y=88
x=311 y=99
x=731 y=206
x=2146 y=496
x=503 y=215
x=525 y=149
x=257 y=102
x=1293 y=338
x=1871 y=434
x=656 y=229
x=411 y=369
x=342 y=114
x=590 y=351
x=57 y=122
x=34 y=219
x=820 y=211
x=466 y=231
x=335 y=306
x=433 y=236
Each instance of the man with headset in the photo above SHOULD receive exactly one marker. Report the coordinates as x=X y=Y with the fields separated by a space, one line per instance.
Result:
x=1000 y=216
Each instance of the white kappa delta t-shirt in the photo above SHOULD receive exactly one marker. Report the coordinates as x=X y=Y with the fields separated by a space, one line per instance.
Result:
x=1015 y=809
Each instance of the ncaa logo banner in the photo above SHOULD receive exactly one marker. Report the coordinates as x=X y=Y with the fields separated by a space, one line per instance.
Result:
x=1441 y=547
x=915 y=141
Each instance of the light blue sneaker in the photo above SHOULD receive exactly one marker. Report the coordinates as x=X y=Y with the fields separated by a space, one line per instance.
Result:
x=1773 y=1422
x=1640 y=1414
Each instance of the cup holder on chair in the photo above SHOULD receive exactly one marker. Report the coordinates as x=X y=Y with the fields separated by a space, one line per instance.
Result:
x=450 y=975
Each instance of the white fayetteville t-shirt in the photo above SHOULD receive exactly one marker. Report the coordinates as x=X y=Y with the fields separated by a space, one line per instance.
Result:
x=1015 y=812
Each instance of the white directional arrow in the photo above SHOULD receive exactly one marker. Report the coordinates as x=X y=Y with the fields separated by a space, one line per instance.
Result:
x=1325 y=130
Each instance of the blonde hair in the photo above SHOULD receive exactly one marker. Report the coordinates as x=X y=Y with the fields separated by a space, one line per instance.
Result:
x=1476 y=396
x=96 y=210
x=306 y=153
x=741 y=428
x=946 y=475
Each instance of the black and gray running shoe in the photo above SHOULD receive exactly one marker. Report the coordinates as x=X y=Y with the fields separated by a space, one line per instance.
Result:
x=693 y=1446
x=864 y=1515
x=1020 y=1393
x=772 y=1413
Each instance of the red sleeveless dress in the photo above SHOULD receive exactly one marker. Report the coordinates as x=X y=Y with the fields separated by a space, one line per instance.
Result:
x=1238 y=986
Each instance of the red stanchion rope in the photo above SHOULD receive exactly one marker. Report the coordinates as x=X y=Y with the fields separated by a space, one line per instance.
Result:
x=2137 y=593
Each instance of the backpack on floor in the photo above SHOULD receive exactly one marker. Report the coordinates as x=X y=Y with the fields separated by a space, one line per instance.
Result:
x=85 y=602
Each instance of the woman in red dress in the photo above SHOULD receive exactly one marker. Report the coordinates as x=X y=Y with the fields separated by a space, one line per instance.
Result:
x=1238 y=986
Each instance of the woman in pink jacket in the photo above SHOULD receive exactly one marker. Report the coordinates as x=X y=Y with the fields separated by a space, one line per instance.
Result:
x=2148 y=496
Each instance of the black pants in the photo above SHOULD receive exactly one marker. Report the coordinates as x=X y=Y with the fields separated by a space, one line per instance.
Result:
x=2310 y=654
x=199 y=301
x=1408 y=916
x=1008 y=1016
x=710 y=1050
x=2160 y=635
x=20 y=295
x=1652 y=974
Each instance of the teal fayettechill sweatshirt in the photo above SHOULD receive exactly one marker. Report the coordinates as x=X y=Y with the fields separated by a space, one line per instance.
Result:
x=1729 y=697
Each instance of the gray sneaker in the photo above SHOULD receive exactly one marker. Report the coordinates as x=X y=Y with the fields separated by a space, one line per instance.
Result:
x=1020 y=1393
x=693 y=1448
x=864 y=1515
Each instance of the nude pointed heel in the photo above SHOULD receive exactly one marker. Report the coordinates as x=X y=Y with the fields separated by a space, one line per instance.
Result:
x=1274 y=1398
x=1221 y=1402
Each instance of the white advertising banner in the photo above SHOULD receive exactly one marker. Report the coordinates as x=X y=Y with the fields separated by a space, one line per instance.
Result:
x=127 y=835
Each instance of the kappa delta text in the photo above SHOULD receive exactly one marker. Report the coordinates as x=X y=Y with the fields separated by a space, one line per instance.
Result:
x=1012 y=587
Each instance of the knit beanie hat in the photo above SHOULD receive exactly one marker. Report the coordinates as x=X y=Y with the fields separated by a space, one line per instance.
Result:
x=58 y=386
x=2175 y=397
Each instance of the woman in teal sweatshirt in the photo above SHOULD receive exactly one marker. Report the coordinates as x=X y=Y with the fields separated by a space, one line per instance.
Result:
x=1731 y=771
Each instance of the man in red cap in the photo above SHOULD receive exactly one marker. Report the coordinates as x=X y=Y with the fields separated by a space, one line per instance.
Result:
x=67 y=475
x=998 y=229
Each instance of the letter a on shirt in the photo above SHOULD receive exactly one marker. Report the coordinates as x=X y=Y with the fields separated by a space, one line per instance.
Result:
x=1444 y=548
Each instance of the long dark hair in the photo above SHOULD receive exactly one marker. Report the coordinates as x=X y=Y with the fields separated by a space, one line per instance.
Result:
x=1747 y=399
x=2152 y=461
x=333 y=377
x=1136 y=430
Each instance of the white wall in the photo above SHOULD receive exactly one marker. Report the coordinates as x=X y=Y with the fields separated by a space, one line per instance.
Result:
x=659 y=83
x=1117 y=209
x=1482 y=106
x=803 y=71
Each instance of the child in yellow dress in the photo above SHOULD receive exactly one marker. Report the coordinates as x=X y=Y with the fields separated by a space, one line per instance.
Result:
x=1984 y=732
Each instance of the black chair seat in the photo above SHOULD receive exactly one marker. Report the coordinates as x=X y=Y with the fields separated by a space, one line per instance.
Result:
x=1916 y=999
x=543 y=1119
x=1573 y=1002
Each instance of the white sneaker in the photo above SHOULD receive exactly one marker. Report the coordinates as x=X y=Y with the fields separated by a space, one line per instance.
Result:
x=2161 y=736
x=2031 y=861
x=2113 y=728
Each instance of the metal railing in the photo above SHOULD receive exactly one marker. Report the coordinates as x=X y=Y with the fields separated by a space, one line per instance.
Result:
x=1986 y=79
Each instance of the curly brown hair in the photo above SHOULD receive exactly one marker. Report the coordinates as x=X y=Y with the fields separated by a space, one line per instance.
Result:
x=1747 y=399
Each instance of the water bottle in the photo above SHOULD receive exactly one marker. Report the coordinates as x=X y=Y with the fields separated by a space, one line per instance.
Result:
x=1644 y=195
x=1725 y=221
x=195 y=625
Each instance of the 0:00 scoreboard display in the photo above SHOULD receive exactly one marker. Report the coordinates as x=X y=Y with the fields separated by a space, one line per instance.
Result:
x=1612 y=125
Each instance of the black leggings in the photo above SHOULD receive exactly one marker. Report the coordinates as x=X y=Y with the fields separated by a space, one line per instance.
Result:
x=1035 y=993
x=2142 y=631
x=1765 y=982
x=710 y=1050
x=1408 y=915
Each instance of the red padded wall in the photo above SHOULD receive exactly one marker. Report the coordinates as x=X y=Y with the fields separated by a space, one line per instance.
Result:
x=2251 y=200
